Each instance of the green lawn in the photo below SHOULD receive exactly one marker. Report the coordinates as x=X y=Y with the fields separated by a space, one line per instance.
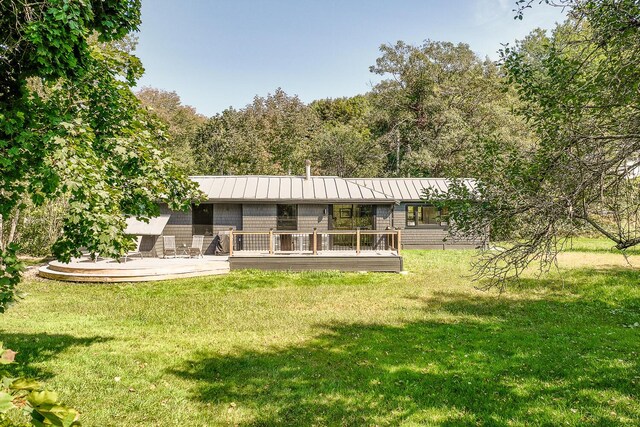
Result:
x=584 y=244
x=342 y=349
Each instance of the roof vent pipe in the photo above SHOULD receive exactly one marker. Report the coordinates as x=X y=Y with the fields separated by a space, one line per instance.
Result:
x=307 y=170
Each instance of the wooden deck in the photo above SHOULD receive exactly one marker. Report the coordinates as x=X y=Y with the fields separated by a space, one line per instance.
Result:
x=382 y=261
x=134 y=270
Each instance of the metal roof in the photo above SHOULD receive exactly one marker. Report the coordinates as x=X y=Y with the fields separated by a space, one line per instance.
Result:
x=287 y=188
x=408 y=189
x=317 y=188
x=152 y=228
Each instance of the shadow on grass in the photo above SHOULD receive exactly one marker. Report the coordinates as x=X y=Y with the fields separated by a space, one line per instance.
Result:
x=35 y=348
x=472 y=361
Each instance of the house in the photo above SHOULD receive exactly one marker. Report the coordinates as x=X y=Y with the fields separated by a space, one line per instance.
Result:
x=300 y=204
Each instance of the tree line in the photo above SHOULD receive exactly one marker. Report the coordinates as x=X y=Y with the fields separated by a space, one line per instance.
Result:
x=435 y=106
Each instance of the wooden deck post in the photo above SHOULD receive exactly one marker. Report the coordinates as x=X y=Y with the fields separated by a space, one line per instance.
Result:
x=393 y=239
x=231 y=242
x=271 y=241
x=358 y=241
x=315 y=240
x=399 y=241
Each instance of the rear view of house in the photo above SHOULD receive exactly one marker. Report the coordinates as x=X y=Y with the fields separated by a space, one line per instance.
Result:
x=294 y=206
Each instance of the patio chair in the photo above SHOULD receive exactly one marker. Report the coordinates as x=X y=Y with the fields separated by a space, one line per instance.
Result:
x=169 y=245
x=136 y=251
x=196 y=246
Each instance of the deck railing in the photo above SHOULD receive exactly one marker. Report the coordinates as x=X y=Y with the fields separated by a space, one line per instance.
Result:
x=314 y=242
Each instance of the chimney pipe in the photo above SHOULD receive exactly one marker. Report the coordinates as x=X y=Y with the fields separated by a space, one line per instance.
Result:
x=307 y=174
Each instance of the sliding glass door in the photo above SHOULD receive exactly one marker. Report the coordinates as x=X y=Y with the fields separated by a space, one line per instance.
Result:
x=351 y=217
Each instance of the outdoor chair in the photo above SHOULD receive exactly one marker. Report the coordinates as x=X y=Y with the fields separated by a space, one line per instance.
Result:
x=196 y=246
x=136 y=251
x=85 y=253
x=169 y=246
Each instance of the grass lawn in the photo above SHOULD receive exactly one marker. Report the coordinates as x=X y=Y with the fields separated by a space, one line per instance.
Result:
x=602 y=245
x=342 y=349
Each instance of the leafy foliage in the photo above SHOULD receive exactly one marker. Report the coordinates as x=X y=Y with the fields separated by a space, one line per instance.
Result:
x=38 y=227
x=440 y=104
x=72 y=127
x=579 y=89
x=181 y=121
x=346 y=145
x=10 y=270
x=43 y=406
x=273 y=135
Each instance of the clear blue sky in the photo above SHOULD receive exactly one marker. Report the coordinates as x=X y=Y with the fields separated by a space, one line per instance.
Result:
x=217 y=54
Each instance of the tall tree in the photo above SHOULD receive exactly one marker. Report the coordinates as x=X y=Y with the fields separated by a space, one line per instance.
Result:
x=579 y=89
x=272 y=135
x=72 y=126
x=440 y=102
x=182 y=121
x=346 y=146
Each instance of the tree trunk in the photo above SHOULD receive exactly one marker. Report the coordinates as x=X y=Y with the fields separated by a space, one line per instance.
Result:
x=14 y=225
x=1 y=233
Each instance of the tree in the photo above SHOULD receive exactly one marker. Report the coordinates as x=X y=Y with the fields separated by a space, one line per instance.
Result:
x=273 y=135
x=226 y=146
x=346 y=146
x=579 y=89
x=182 y=121
x=72 y=127
x=440 y=103
x=343 y=151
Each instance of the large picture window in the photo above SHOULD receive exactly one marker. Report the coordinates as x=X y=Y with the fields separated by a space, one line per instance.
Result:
x=350 y=217
x=287 y=217
x=202 y=219
x=425 y=215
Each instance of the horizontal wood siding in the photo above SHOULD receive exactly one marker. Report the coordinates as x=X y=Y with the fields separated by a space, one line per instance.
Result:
x=256 y=217
x=434 y=237
x=310 y=216
x=262 y=217
x=179 y=225
x=308 y=263
x=225 y=216
x=383 y=217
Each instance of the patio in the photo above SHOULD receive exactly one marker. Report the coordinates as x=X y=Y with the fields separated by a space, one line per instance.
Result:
x=135 y=269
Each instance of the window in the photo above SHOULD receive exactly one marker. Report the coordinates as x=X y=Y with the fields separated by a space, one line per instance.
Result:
x=287 y=217
x=202 y=219
x=350 y=217
x=423 y=215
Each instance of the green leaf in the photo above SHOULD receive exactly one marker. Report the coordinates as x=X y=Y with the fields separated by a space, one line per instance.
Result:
x=44 y=397
x=27 y=384
x=6 y=402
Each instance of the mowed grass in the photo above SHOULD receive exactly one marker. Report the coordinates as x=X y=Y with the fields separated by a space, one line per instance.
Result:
x=281 y=349
x=600 y=245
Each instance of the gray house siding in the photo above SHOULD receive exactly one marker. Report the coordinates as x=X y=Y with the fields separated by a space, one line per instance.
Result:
x=433 y=237
x=313 y=216
x=259 y=217
x=263 y=217
x=179 y=225
x=384 y=217
x=225 y=215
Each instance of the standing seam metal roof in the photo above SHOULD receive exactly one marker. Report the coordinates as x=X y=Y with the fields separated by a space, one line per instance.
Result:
x=264 y=188
x=318 y=188
x=408 y=189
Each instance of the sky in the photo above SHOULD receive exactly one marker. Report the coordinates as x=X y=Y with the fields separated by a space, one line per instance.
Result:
x=219 y=54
